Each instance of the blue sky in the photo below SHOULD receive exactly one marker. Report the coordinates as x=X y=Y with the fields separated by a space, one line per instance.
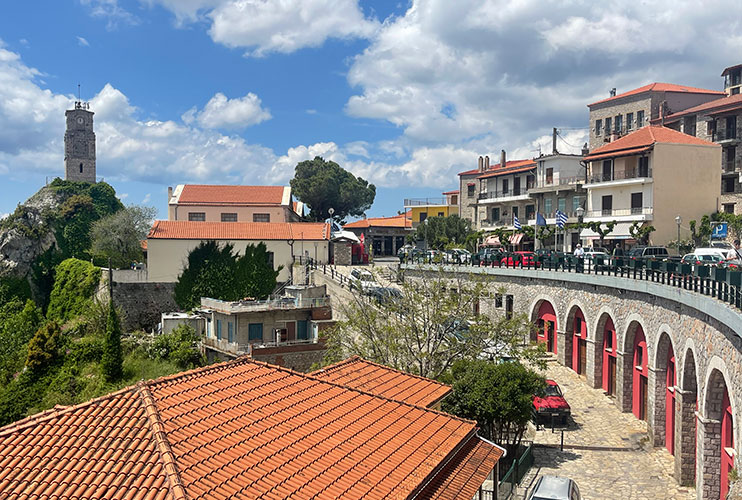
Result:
x=404 y=94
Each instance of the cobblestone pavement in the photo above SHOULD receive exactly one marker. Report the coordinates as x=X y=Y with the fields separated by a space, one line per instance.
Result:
x=605 y=451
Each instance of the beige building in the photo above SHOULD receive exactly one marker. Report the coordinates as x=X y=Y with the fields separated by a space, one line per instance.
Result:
x=652 y=176
x=170 y=242
x=212 y=203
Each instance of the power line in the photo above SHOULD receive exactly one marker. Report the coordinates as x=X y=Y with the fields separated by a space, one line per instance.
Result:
x=565 y=142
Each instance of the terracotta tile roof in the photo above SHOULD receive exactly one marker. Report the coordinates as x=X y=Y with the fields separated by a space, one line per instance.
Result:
x=401 y=221
x=256 y=231
x=381 y=380
x=728 y=103
x=643 y=138
x=497 y=170
x=197 y=194
x=241 y=429
x=660 y=87
x=451 y=192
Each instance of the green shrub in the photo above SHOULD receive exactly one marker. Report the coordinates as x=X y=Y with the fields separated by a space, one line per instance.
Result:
x=18 y=323
x=181 y=346
x=44 y=348
x=75 y=284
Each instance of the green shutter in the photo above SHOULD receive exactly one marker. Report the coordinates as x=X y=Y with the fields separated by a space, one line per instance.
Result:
x=255 y=331
x=302 y=330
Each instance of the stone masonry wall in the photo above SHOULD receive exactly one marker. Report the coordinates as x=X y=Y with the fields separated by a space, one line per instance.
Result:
x=142 y=303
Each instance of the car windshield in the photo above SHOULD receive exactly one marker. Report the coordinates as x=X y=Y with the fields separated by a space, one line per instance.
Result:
x=634 y=252
x=709 y=258
x=552 y=390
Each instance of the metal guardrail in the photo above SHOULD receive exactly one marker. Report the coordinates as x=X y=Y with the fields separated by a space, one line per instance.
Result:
x=724 y=284
x=515 y=474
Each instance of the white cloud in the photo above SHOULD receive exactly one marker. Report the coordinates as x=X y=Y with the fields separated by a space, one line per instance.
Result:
x=311 y=111
x=262 y=27
x=111 y=11
x=23 y=42
x=147 y=198
x=82 y=42
x=122 y=196
x=221 y=112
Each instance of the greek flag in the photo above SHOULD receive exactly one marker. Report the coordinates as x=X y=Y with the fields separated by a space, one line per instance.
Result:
x=561 y=218
x=516 y=223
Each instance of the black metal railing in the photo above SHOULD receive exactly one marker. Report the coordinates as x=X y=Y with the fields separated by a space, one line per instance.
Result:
x=634 y=173
x=490 y=195
x=724 y=134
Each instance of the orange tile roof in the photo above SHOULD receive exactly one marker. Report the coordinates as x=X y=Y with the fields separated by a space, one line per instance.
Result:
x=241 y=429
x=196 y=194
x=495 y=169
x=728 y=103
x=256 y=231
x=644 y=137
x=451 y=192
x=660 y=87
x=381 y=380
x=401 y=221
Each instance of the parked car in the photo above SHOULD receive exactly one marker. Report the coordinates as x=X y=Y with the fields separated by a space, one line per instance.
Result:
x=457 y=256
x=721 y=252
x=487 y=255
x=695 y=259
x=642 y=252
x=596 y=249
x=550 y=405
x=592 y=254
x=520 y=259
x=384 y=294
x=555 y=488
x=409 y=252
x=362 y=280
x=434 y=256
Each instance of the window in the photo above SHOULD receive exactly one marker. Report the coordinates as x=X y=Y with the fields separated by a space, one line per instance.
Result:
x=607 y=170
x=636 y=203
x=302 y=329
x=229 y=217
x=598 y=126
x=80 y=167
x=441 y=214
x=270 y=259
x=728 y=208
x=728 y=184
x=629 y=121
x=576 y=203
x=644 y=166
x=255 y=331
x=230 y=332
x=734 y=91
x=261 y=217
x=504 y=186
x=711 y=127
x=495 y=214
x=729 y=155
x=619 y=122
x=218 y=329
x=470 y=190
x=639 y=119
x=197 y=216
x=530 y=212
x=423 y=216
x=608 y=126
x=530 y=181
x=515 y=211
x=549 y=175
x=562 y=204
x=689 y=125
x=731 y=123
x=607 y=204
x=498 y=300
x=639 y=357
x=509 y=307
x=547 y=206
x=608 y=340
x=454 y=199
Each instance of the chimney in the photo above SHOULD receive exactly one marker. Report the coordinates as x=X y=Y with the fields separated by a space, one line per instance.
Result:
x=585 y=150
x=481 y=164
x=169 y=193
x=613 y=92
x=486 y=163
x=503 y=159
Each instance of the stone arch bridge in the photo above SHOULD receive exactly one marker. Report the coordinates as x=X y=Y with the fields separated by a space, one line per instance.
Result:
x=670 y=356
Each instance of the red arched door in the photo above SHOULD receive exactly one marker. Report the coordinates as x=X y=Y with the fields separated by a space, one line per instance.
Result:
x=579 y=343
x=640 y=376
x=670 y=402
x=609 y=357
x=727 y=444
x=547 y=326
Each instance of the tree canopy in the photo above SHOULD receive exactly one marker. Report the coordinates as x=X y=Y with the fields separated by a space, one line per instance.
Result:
x=218 y=272
x=431 y=324
x=324 y=184
x=439 y=232
x=498 y=396
x=119 y=236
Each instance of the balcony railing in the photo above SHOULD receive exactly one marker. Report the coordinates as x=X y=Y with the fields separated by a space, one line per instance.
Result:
x=264 y=305
x=731 y=166
x=562 y=181
x=489 y=195
x=420 y=202
x=724 y=134
x=620 y=212
x=637 y=173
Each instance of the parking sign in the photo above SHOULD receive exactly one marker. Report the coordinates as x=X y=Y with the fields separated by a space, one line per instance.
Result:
x=719 y=230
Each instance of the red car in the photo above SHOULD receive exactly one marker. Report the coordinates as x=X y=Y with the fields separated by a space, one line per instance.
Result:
x=551 y=405
x=519 y=259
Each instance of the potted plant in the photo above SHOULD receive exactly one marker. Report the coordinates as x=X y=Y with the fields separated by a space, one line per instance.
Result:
x=701 y=271
x=720 y=273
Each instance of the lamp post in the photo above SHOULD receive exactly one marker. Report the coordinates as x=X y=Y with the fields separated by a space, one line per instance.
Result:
x=580 y=214
x=678 y=220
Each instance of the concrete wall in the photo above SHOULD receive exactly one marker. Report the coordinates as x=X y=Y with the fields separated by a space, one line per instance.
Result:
x=299 y=357
x=166 y=258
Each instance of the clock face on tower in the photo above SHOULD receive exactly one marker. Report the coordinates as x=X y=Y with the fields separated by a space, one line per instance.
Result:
x=80 y=120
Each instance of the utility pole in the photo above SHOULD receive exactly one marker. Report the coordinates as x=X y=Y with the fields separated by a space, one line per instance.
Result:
x=553 y=140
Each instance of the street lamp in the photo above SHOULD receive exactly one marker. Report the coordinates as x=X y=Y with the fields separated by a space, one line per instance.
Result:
x=678 y=220
x=580 y=213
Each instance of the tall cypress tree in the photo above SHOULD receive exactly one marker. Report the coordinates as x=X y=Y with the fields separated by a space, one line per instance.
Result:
x=112 y=359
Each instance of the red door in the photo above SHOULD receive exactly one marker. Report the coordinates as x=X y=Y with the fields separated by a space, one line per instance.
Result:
x=579 y=335
x=670 y=403
x=727 y=444
x=291 y=329
x=547 y=334
x=640 y=372
x=609 y=358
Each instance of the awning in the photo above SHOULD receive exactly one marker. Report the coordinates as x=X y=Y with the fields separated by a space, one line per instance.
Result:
x=492 y=241
x=614 y=154
x=515 y=238
x=620 y=232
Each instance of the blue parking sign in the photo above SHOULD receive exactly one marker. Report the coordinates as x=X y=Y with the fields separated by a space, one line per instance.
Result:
x=719 y=230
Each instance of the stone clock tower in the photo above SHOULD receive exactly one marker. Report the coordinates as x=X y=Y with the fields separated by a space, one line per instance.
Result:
x=79 y=144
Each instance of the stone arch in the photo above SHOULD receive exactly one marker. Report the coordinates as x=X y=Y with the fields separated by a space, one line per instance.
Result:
x=575 y=338
x=688 y=379
x=634 y=365
x=544 y=315
x=716 y=431
x=664 y=380
x=605 y=349
x=686 y=422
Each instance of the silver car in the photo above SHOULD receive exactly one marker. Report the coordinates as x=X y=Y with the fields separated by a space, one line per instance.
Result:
x=555 y=488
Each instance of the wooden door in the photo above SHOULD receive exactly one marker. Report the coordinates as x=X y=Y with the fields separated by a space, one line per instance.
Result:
x=643 y=398
x=611 y=375
x=291 y=330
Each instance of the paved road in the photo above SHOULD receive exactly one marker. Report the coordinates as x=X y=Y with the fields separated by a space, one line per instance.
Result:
x=606 y=451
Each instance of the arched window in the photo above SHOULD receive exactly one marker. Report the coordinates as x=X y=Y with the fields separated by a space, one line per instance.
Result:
x=80 y=167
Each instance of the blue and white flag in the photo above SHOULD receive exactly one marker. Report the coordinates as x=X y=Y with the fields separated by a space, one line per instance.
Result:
x=561 y=218
x=516 y=223
x=540 y=221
